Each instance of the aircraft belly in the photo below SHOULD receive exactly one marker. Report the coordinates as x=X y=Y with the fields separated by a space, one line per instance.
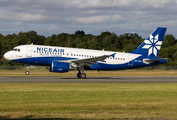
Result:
x=33 y=60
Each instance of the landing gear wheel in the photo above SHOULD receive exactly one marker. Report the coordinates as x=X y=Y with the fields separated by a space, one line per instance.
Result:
x=78 y=75
x=27 y=72
x=81 y=75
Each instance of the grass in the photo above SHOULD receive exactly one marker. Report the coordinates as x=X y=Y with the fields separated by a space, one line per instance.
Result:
x=44 y=72
x=88 y=101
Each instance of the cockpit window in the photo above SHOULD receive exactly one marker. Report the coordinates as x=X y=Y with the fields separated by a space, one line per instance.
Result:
x=16 y=49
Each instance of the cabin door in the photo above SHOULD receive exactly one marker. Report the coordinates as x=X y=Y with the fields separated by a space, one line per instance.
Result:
x=29 y=52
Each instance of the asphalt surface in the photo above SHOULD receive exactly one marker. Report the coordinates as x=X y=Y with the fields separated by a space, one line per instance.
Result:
x=88 y=80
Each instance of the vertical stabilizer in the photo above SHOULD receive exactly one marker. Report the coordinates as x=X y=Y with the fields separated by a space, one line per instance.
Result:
x=152 y=44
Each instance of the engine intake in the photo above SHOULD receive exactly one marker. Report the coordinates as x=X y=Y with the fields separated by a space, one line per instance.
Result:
x=59 y=67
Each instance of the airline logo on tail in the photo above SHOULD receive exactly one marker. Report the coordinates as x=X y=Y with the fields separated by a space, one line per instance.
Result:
x=152 y=44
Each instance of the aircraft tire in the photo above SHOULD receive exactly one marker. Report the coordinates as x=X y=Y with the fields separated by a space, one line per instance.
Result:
x=78 y=75
x=81 y=75
x=27 y=73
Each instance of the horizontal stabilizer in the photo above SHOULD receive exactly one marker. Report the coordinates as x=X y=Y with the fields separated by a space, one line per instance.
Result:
x=153 y=60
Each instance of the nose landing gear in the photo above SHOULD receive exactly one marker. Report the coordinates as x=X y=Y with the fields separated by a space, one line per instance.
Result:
x=27 y=72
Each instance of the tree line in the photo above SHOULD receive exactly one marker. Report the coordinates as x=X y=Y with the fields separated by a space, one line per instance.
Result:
x=108 y=41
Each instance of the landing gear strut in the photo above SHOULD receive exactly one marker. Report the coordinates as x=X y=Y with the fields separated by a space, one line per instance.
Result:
x=81 y=73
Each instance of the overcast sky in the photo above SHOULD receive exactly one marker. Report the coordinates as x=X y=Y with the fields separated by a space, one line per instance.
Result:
x=48 y=17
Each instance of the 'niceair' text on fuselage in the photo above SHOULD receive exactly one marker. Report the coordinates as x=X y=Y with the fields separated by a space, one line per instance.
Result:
x=54 y=50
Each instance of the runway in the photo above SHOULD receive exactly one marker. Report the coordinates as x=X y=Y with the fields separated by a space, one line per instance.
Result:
x=88 y=80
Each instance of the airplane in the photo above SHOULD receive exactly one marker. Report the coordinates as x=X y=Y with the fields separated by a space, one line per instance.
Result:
x=63 y=59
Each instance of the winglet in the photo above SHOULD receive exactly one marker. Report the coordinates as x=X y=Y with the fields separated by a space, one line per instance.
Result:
x=113 y=55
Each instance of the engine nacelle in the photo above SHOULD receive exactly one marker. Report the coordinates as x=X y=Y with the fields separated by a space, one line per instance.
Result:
x=59 y=67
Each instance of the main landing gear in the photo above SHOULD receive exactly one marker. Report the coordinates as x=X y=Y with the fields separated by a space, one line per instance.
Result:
x=81 y=73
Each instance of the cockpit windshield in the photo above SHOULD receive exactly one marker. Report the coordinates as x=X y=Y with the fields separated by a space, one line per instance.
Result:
x=16 y=49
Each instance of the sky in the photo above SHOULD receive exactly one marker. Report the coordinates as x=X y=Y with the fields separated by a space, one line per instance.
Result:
x=48 y=17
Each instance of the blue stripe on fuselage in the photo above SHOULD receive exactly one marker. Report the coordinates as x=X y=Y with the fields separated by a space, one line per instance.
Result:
x=47 y=61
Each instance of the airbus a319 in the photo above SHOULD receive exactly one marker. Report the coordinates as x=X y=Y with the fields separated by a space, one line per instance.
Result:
x=63 y=59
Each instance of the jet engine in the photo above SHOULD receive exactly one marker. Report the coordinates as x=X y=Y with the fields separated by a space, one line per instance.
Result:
x=59 y=67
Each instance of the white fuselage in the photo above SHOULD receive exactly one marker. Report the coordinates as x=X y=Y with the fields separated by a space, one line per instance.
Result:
x=40 y=51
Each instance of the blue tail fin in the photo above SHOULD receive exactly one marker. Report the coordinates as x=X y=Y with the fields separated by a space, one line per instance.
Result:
x=151 y=46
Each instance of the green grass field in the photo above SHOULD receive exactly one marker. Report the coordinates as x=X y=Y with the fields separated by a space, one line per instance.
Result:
x=88 y=101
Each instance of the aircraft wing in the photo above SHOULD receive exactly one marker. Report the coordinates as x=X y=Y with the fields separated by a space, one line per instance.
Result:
x=88 y=61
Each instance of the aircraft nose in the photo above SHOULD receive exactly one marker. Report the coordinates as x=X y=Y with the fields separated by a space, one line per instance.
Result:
x=7 y=56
